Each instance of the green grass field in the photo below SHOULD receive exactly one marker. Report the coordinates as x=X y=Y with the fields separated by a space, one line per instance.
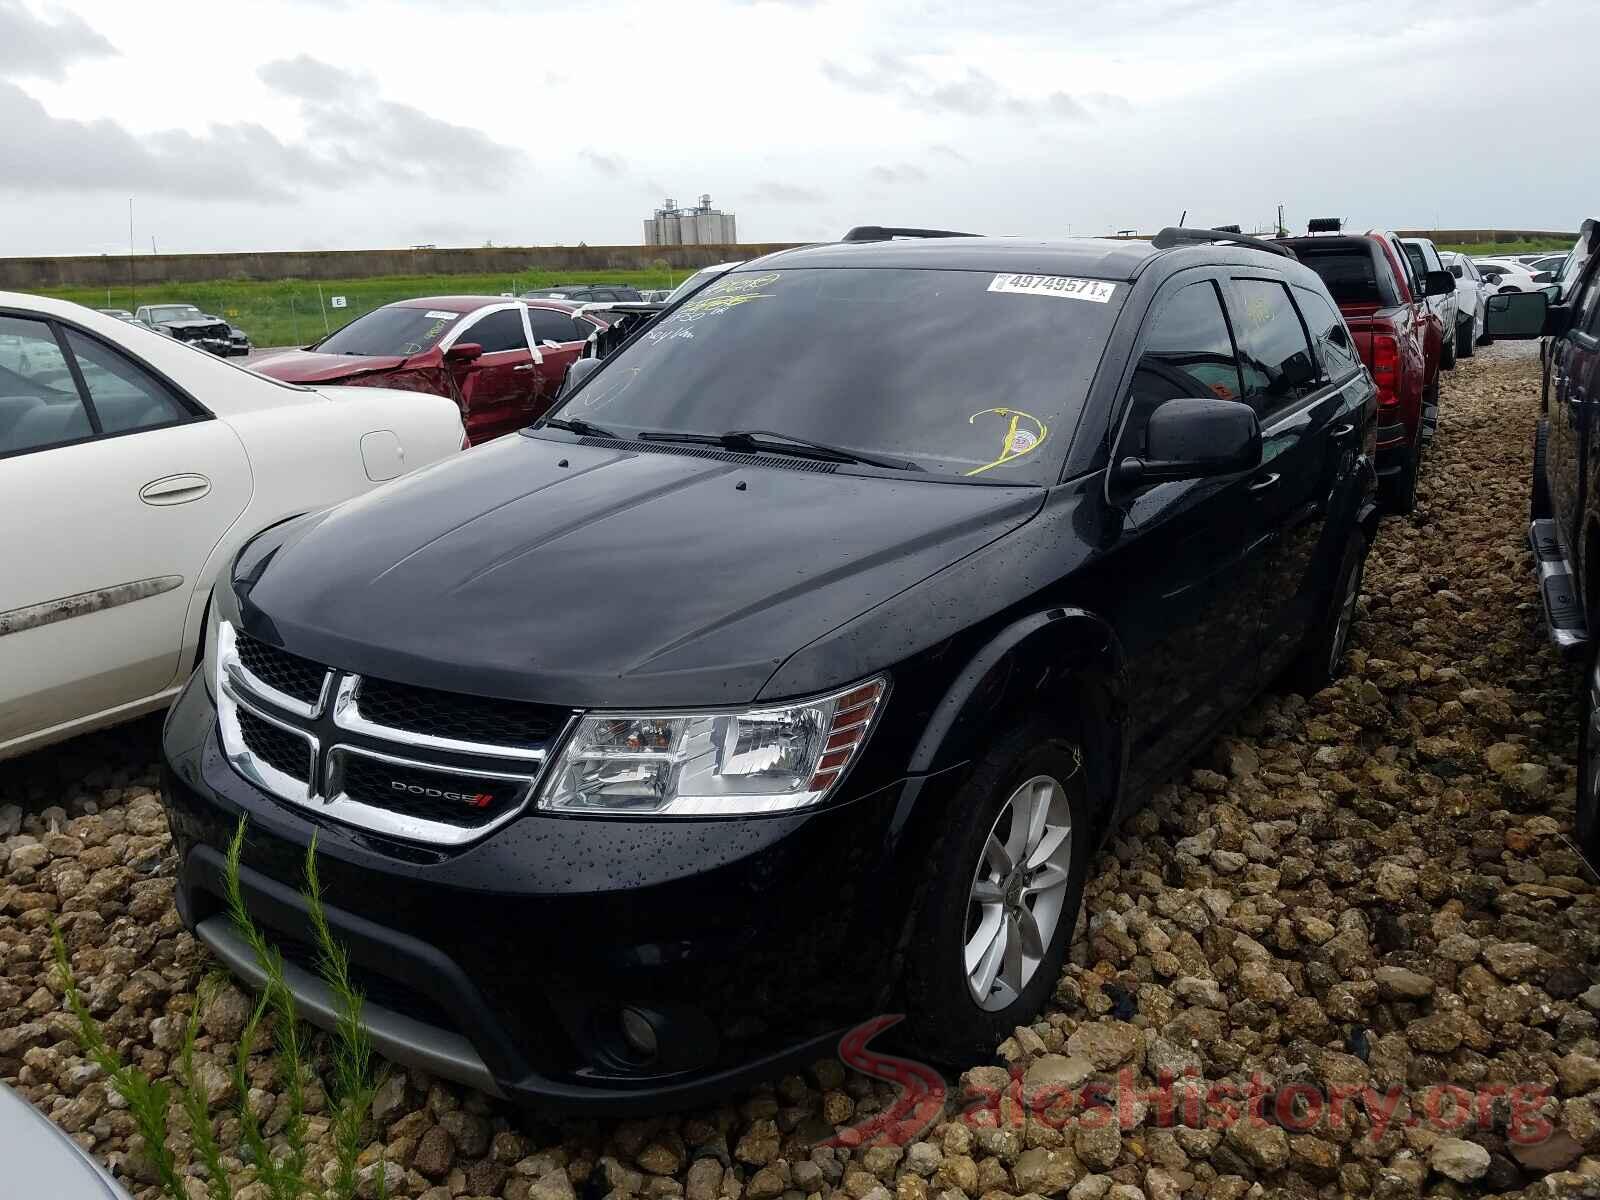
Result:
x=1496 y=249
x=289 y=312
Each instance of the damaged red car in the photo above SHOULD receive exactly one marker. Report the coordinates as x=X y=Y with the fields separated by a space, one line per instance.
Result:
x=502 y=361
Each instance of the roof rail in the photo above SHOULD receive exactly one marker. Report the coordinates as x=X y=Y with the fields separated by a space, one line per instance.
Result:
x=1173 y=236
x=1227 y=229
x=885 y=233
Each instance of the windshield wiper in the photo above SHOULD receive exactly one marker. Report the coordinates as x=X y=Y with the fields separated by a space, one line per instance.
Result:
x=578 y=426
x=756 y=440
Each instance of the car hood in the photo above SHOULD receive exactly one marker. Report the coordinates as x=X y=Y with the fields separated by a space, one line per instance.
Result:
x=191 y=323
x=569 y=574
x=308 y=366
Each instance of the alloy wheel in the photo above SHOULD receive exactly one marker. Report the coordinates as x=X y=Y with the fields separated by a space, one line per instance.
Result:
x=1346 y=618
x=1018 y=891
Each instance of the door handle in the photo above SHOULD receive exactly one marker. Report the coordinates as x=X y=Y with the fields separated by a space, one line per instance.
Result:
x=523 y=367
x=1265 y=484
x=175 y=489
x=1343 y=431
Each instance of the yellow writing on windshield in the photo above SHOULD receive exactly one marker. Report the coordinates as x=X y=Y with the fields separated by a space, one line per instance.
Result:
x=1023 y=433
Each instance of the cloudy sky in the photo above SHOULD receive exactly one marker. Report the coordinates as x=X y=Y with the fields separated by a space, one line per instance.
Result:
x=356 y=123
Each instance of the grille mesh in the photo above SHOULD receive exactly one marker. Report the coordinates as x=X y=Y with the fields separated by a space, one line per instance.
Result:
x=371 y=782
x=278 y=748
x=289 y=673
x=452 y=715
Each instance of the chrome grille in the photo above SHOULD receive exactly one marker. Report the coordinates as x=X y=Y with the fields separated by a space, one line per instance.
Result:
x=276 y=746
x=408 y=762
x=452 y=716
x=278 y=669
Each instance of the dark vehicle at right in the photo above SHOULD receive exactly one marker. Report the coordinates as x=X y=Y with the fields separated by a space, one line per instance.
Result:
x=761 y=687
x=1564 y=517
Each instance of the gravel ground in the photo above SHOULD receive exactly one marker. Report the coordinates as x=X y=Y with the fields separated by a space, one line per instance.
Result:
x=1370 y=889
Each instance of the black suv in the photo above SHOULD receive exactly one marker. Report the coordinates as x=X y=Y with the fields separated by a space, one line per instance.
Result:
x=586 y=293
x=1564 y=528
x=791 y=671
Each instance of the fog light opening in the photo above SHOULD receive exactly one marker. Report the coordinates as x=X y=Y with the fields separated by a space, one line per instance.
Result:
x=639 y=1033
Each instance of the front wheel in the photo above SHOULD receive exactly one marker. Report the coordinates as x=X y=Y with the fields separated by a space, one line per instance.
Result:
x=1007 y=881
x=1464 y=346
x=1321 y=661
x=1447 y=352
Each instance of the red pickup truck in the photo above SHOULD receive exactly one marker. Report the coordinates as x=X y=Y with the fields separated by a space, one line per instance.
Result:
x=1384 y=302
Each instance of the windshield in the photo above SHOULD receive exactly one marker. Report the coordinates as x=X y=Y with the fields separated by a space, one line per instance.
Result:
x=693 y=282
x=965 y=373
x=176 y=312
x=388 y=332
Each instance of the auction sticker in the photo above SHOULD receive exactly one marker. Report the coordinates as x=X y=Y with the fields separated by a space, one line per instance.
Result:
x=1097 y=290
x=439 y=315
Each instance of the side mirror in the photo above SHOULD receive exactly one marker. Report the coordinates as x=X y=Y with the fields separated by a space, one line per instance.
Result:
x=1194 y=439
x=1456 y=271
x=463 y=354
x=1439 y=283
x=578 y=372
x=1522 y=316
x=1542 y=277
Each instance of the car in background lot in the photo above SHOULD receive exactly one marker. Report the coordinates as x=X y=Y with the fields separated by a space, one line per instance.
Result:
x=1424 y=258
x=43 y=1162
x=757 y=684
x=144 y=465
x=586 y=293
x=501 y=361
x=1564 y=519
x=1471 y=292
x=188 y=324
x=1399 y=338
x=1503 y=275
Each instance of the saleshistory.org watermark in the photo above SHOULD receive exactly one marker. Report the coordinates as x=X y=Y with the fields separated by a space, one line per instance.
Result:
x=1519 y=1111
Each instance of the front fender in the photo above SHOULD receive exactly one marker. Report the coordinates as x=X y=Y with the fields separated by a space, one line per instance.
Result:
x=1060 y=659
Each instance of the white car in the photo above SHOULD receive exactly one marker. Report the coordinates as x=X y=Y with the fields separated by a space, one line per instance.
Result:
x=1424 y=256
x=1504 y=275
x=132 y=467
x=1472 y=293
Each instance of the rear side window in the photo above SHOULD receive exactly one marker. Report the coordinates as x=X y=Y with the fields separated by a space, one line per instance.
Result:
x=39 y=402
x=498 y=331
x=1187 y=352
x=1329 y=334
x=125 y=396
x=1274 y=356
x=548 y=324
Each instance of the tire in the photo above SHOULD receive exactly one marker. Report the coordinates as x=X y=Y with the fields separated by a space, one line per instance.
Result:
x=1447 y=353
x=946 y=1020
x=1540 y=508
x=1588 y=814
x=1321 y=660
x=1464 y=346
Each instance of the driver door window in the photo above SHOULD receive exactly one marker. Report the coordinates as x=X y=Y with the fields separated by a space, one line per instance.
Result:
x=1188 y=352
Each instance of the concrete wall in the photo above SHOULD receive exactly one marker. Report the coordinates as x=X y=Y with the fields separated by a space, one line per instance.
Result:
x=24 y=274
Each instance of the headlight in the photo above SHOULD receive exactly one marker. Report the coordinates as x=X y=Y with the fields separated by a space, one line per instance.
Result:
x=749 y=761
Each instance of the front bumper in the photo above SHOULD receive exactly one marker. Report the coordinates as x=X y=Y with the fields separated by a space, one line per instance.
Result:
x=750 y=944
